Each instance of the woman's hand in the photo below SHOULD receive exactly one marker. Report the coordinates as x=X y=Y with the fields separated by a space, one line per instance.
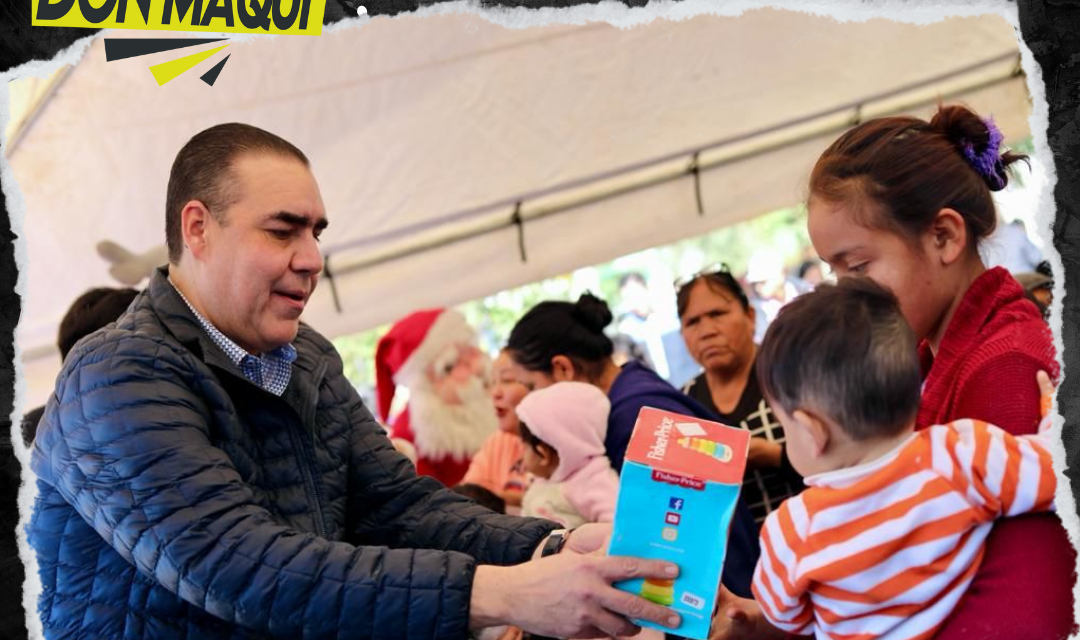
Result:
x=1046 y=392
x=764 y=454
x=1046 y=400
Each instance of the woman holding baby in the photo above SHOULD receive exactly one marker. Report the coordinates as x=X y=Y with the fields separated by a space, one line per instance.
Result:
x=905 y=203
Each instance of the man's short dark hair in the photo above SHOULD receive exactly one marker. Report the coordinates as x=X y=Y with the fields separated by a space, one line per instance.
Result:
x=846 y=352
x=90 y=312
x=481 y=496
x=203 y=171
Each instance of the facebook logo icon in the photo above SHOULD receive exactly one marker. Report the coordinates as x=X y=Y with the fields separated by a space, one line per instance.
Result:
x=675 y=504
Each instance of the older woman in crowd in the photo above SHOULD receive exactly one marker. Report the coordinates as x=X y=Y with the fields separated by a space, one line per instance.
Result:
x=718 y=327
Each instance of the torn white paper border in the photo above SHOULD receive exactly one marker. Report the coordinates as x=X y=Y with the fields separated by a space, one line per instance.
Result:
x=624 y=17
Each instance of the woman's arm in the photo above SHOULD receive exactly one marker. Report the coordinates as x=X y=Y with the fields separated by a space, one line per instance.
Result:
x=1003 y=392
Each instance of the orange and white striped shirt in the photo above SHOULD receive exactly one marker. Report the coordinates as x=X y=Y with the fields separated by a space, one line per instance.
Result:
x=888 y=548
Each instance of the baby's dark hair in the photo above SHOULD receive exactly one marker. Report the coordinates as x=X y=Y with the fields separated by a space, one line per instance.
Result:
x=481 y=496
x=530 y=439
x=846 y=352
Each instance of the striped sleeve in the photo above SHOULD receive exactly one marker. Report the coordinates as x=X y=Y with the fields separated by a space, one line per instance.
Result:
x=782 y=596
x=999 y=473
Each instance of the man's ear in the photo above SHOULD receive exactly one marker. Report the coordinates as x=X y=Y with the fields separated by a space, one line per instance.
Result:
x=194 y=222
x=816 y=427
x=948 y=235
x=562 y=369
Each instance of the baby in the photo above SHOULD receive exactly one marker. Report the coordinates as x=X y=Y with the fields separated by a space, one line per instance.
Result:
x=563 y=428
x=886 y=538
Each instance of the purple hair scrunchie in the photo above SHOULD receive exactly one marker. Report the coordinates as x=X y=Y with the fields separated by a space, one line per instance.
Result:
x=988 y=163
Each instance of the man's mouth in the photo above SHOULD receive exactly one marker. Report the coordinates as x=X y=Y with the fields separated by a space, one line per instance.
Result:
x=294 y=297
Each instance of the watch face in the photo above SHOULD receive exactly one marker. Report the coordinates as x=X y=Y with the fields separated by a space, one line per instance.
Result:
x=554 y=543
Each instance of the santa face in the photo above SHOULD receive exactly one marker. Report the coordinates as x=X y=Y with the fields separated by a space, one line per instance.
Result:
x=459 y=374
x=452 y=413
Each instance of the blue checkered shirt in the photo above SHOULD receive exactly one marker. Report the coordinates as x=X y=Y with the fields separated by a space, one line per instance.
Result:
x=271 y=370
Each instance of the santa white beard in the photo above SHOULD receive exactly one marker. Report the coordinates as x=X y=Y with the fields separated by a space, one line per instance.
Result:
x=458 y=431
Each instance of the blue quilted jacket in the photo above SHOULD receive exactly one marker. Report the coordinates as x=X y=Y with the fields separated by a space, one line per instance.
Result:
x=178 y=500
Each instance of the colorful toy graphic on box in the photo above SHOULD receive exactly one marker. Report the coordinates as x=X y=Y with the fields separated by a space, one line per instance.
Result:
x=677 y=494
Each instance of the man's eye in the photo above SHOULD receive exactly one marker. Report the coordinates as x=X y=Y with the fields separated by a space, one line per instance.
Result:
x=859 y=268
x=281 y=234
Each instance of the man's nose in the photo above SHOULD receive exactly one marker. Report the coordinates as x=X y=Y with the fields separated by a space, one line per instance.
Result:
x=308 y=258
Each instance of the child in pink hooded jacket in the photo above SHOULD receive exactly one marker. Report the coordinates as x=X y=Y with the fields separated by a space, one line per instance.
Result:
x=563 y=427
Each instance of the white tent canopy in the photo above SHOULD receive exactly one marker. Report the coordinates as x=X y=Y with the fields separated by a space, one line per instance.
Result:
x=424 y=134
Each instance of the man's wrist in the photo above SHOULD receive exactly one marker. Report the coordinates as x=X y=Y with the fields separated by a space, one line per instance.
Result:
x=554 y=543
x=486 y=598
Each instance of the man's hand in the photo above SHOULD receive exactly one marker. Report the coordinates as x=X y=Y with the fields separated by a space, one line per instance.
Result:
x=741 y=619
x=568 y=596
x=589 y=539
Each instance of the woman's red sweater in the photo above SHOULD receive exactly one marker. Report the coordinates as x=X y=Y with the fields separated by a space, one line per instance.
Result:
x=985 y=369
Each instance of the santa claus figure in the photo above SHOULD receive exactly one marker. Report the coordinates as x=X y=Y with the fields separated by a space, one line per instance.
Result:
x=433 y=354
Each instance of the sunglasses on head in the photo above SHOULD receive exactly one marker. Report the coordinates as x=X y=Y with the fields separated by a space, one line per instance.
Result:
x=721 y=273
x=719 y=270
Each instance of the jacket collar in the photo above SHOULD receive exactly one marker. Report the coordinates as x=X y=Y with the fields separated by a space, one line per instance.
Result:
x=178 y=320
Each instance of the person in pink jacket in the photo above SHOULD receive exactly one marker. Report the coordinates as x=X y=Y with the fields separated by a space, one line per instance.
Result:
x=563 y=428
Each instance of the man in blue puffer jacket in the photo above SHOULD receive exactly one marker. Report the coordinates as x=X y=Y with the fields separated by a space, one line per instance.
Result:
x=205 y=470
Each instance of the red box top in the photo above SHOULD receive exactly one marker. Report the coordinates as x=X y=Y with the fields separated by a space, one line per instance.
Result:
x=690 y=446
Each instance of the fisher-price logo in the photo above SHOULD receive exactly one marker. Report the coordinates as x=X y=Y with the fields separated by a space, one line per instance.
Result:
x=677 y=480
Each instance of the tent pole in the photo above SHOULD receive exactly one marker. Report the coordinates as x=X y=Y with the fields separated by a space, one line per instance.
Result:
x=404 y=233
x=673 y=171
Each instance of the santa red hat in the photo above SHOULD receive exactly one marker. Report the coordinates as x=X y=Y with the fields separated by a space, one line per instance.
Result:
x=410 y=345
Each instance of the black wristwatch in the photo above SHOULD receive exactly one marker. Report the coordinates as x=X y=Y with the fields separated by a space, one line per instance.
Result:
x=555 y=542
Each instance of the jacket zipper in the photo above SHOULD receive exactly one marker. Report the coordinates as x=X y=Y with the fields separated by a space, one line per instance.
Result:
x=312 y=408
x=308 y=466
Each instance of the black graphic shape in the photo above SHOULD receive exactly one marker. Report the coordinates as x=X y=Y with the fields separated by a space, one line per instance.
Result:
x=210 y=77
x=120 y=48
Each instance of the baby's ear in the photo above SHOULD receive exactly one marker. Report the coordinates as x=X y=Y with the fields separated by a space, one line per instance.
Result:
x=817 y=427
x=548 y=455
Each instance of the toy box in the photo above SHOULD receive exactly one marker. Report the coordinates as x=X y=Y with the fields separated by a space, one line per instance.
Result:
x=679 y=485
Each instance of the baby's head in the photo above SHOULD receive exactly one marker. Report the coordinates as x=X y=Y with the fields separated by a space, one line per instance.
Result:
x=840 y=369
x=563 y=427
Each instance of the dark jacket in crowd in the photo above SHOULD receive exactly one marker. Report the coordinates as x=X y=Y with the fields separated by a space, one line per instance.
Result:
x=178 y=500
x=29 y=424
